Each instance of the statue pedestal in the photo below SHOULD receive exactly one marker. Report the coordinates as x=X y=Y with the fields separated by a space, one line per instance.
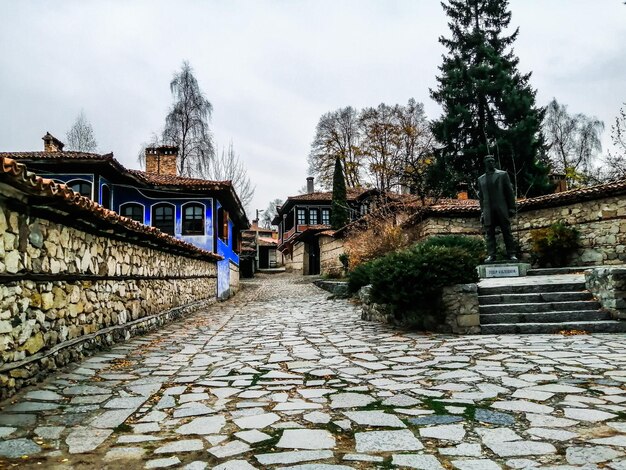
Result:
x=503 y=269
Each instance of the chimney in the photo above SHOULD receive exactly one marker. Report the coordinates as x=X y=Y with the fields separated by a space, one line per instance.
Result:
x=51 y=143
x=162 y=160
x=559 y=182
x=310 y=186
x=462 y=194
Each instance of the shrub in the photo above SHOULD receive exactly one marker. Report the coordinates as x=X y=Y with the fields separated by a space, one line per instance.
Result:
x=474 y=246
x=554 y=246
x=412 y=279
x=382 y=236
x=360 y=276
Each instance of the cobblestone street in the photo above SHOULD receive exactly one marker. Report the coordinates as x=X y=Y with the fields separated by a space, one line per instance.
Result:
x=281 y=376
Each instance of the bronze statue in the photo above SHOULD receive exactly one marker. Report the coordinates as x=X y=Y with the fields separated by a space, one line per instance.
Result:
x=497 y=205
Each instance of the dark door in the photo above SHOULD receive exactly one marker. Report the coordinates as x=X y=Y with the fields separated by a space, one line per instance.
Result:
x=264 y=258
x=314 y=257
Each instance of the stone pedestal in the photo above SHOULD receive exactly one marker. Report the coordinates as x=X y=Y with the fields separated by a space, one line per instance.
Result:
x=505 y=269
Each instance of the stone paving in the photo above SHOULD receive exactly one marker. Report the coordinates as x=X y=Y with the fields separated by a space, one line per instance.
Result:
x=284 y=377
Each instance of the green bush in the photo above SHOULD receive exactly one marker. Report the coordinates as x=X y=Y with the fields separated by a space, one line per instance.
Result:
x=554 y=246
x=410 y=281
x=474 y=246
x=360 y=276
x=413 y=278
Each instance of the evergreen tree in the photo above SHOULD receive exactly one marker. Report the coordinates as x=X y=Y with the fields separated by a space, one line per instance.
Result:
x=339 y=215
x=488 y=105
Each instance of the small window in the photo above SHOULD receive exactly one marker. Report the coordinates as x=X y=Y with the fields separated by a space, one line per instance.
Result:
x=193 y=219
x=301 y=217
x=133 y=211
x=222 y=224
x=163 y=218
x=106 y=197
x=326 y=216
x=313 y=218
x=81 y=187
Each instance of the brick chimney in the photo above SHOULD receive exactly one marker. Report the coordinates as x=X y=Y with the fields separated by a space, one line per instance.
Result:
x=51 y=143
x=559 y=181
x=162 y=160
x=310 y=185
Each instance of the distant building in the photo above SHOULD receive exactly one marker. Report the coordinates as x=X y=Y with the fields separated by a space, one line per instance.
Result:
x=259 y=250
x=302 y=218
x=205 y=213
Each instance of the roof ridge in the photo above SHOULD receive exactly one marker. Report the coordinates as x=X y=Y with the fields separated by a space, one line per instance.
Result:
x=36 y=184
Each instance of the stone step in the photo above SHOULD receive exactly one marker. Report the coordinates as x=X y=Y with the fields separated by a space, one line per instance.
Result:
x=609 y=326
x=534 y=297
x=574 y=286
x=545 y=317
x=553 y=271
x=540 y=307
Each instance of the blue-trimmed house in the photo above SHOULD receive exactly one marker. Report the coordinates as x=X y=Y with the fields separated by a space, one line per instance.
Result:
x=205 y=213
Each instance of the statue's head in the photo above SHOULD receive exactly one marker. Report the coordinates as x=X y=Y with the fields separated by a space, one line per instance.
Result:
x=490 y=163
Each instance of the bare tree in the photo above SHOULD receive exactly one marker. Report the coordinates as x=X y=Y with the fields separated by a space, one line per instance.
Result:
x=187 y=124
x=416 y=147
x=272 y=211
x=573 y=142
x=381 y=145
x=227 y=166
x=80 y=137
x=616 y=159
x=336 y=135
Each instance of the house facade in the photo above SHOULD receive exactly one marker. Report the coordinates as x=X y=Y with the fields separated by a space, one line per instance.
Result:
x=207 y=214
x=259 y=250
x=302 y=219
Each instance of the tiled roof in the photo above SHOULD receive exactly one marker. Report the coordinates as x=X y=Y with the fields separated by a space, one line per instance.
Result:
x=142 y=176
x=174 y=180
x=17 y=175
x=352 y=194
x=65 y=155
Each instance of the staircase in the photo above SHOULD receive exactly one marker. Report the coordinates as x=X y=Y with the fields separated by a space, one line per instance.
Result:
x=538 y=304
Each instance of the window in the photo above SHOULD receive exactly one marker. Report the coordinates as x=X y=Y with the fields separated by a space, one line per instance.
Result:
x=163 y=218
x=81 y=187
x=301 y=217
x=326 y=216
x=133 y=211
x=106 y=197
x=193 y=219
x=313 y=219
x=222 y=224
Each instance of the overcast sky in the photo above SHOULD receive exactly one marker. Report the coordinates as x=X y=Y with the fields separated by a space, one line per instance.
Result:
x=272 y=68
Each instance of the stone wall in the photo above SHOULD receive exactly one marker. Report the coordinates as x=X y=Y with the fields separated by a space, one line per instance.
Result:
x=459 y=305
x=330 y=250
x=456 y=311
x=64 y=290
x=601 y=223
x=608 y=285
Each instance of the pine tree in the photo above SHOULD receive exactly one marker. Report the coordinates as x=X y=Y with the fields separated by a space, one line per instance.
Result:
x=488 y=105
x=339 y=215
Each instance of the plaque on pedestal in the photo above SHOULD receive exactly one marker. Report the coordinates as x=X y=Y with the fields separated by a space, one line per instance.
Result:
x=503 y=270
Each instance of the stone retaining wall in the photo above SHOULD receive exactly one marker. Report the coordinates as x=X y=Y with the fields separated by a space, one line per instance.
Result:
x=64 y=290
x=457 y=311
x=601 y=223
x=608 y=285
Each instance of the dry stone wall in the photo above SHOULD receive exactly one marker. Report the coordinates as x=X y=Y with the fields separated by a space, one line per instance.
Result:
x=64 y=291
x=601 y=223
